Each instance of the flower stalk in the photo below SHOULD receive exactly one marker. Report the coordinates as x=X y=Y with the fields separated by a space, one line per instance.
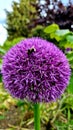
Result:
x=37 y=116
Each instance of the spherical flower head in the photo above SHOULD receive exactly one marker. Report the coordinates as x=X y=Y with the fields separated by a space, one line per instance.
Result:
x=35 y=69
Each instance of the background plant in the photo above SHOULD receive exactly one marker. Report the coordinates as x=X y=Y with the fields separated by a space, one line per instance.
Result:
x=21 y=20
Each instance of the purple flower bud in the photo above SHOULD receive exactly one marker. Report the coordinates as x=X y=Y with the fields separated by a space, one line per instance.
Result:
x=35 y=69
x=68 y=49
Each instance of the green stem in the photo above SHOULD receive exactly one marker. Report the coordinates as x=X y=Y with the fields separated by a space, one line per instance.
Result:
x=37 y=116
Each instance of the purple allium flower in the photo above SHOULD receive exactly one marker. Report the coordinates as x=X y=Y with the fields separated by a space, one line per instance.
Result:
x=35 y=69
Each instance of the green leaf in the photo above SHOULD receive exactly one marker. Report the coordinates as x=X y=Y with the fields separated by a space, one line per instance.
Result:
x=68 y=45
x=54 y=36
x=52 y=28
x=70 y=38
x=2 y=51
x=0 y=78
x=20 y=103
x=70 y=58
x=71 y=122
x=62 y=32
x=69 y=115
x=70 y=86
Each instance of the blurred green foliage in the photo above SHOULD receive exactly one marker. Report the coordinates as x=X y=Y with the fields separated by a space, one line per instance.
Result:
x=18 y=19
x=61 y=36
x=9 y=43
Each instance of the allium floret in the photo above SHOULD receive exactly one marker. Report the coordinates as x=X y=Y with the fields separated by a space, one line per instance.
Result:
x=35 y=69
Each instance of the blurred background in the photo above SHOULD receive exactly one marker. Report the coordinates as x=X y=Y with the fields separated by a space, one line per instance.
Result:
x=53 y=21
x=42 y=9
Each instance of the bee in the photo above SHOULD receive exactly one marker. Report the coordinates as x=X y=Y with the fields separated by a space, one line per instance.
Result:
x=32 y=49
